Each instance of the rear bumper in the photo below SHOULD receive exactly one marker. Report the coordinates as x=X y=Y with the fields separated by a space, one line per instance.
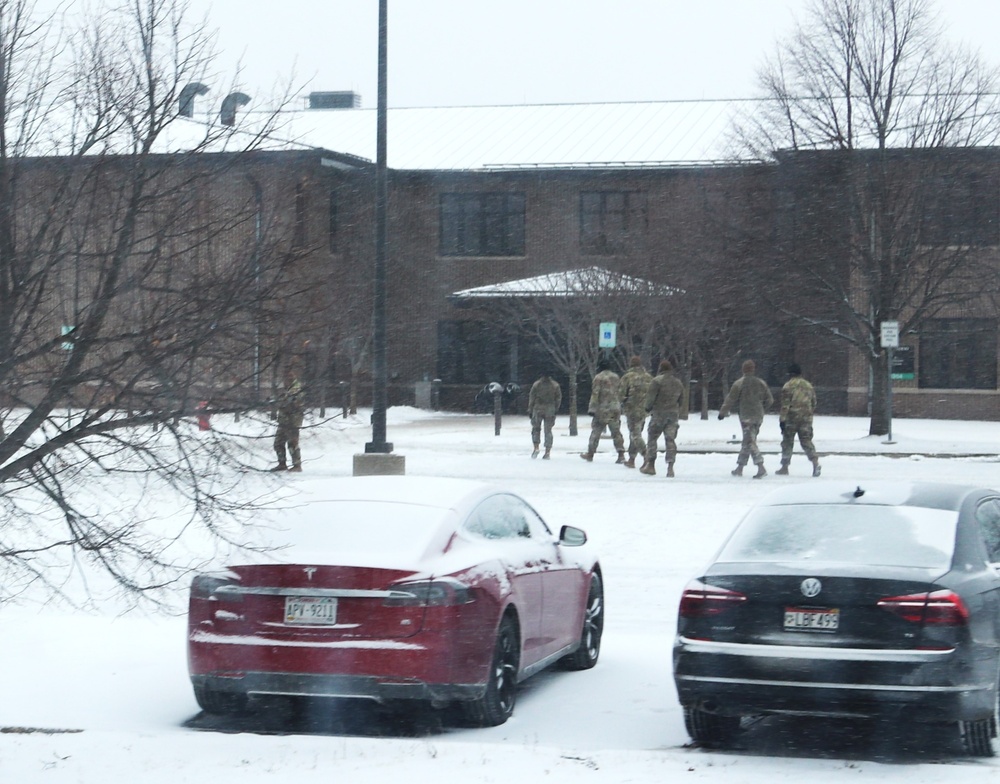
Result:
x=736 y=679
x=381 y=689
x=427 y=666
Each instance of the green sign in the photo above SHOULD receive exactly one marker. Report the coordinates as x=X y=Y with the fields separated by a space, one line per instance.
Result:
x=902 y=364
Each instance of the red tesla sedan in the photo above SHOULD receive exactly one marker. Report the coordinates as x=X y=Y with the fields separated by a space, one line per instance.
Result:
x=398 y=587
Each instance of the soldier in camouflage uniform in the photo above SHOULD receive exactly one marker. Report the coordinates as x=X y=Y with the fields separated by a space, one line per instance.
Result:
x=544 y=400
x=290 y=411
x=632 y=392
x=798 y=402
x=750 y=396
x=606 y=410
x=663 y=402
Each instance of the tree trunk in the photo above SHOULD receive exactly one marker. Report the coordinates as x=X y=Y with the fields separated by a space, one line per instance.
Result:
x=572 y=405
x=879 y=425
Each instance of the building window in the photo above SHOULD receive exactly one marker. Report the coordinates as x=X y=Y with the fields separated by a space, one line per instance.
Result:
x=473 y=352
x=958 y=354
x=333 y=221
x=611 y=221
x=961 y=211
x=482 y=224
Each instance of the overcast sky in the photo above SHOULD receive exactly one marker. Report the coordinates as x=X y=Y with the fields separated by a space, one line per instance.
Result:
x=466 y=52
x=481 y=52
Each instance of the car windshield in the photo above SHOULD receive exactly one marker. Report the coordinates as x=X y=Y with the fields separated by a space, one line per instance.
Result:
x=855 y=534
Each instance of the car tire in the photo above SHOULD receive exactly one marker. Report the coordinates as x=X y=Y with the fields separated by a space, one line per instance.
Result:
x=222 y=703
x=497 y=703
x=979 y=737
x=711 y=729
x=585 y=657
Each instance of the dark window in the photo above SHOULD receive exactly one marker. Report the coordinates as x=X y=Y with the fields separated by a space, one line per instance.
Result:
x=611 y=221
x=961 y=210
x=472 y=352
x=958 y=354
x=333 y=221
x=988 y=517
x=482 y=224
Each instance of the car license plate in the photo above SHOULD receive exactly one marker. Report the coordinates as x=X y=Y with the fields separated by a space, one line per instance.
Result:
x=802 y=619
x=310 y=609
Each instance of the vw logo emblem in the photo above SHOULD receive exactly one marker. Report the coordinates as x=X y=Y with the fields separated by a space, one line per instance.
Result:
x=811 y=587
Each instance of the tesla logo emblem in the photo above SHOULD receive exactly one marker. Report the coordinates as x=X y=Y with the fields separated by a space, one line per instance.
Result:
x=311 y=570
x=811 y=587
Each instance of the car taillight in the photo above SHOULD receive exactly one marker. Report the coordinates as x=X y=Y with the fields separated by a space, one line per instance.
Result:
x=939 y=608
x=700 y=600
x=214 y=586
x=429 y=593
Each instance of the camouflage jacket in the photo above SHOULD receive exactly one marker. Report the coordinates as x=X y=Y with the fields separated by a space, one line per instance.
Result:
x=664 y=398
x=290 y=406
x=750 y=397
x=798 y=400
x=632 y=391
x=604 y=402
x=545 y=397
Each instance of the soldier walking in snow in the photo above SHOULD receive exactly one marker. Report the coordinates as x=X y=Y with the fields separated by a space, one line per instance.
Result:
x=544 y=399
x=605 y=408
x=663 y=402
x=798 y=402
x=290 y=411
x=750 y=397
x=632 y=392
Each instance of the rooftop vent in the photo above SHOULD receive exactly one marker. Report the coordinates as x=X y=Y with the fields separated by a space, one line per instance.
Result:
x=339 y=100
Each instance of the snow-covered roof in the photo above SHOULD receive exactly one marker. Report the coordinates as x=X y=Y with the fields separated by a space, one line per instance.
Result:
x=664 y=133
x=568 y=283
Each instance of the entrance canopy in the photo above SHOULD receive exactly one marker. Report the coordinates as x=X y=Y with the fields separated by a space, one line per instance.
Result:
x=586 y=282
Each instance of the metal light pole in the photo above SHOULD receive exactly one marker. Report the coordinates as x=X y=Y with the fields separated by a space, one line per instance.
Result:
x=378 y=443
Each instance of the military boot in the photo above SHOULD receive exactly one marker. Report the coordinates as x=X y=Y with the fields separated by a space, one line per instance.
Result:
x=816 y=468
x=648 y=467
x=630 y=463
x=670 y=470
x=621 y=458
x=738 y=471
x=534 y=453
x=588 y=456
x=280 y=467
x=761 y=473
x=783 y=471
x=548 y=453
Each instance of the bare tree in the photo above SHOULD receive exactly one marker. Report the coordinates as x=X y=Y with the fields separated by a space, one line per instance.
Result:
x=562 y=312
x=862 y=101
x=135 y=274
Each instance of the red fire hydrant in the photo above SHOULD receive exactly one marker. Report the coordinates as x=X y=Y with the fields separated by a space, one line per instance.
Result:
x=204 y=416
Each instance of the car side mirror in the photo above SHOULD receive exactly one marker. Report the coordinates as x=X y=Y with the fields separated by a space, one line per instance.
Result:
x=571 y=536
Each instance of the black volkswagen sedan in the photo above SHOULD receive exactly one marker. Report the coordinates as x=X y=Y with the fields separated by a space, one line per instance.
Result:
x=878 y=600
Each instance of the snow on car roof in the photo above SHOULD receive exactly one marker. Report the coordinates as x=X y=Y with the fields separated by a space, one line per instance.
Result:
x=396 y=522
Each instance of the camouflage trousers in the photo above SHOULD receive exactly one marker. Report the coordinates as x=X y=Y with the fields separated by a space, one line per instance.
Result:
x=636 y=444
x=804 y=430
x=668 y=430
x=597 y=425
x=748 y=449
x=537 y=422
x=286 y=435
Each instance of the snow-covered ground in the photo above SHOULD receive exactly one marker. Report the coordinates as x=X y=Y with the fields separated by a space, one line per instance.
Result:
x=103 y=697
